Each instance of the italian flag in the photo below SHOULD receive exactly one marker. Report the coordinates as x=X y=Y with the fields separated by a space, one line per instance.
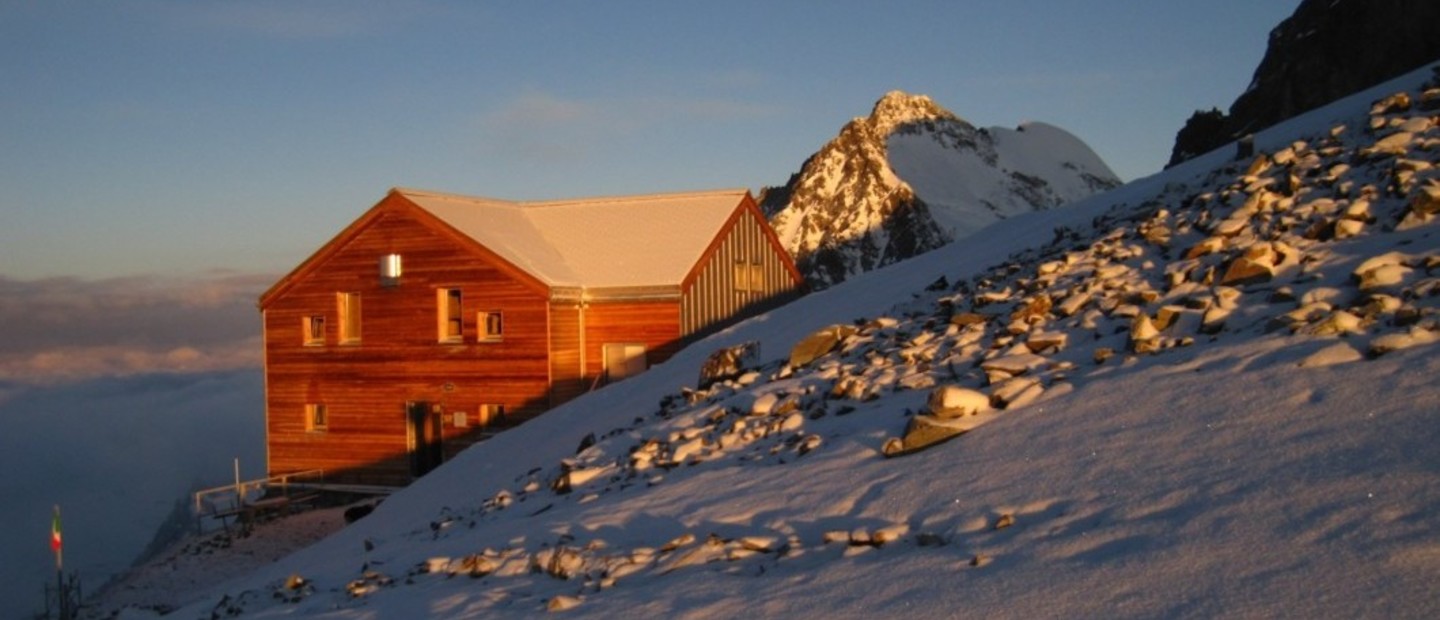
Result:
x=55 y=531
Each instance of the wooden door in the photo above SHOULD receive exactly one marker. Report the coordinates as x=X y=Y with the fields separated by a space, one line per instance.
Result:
x=624 y=360
x=424 y=434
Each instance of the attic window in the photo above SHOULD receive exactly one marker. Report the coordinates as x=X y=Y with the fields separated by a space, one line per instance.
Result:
x=390 y=270
x=749 y=276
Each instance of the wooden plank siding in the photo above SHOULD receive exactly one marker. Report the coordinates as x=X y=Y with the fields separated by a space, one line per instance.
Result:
x=567 y=379
x=654 y=324
x=712 y=296
x=399 y=359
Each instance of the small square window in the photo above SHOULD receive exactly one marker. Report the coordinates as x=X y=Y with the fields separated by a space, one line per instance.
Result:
x=314 y=330
x=316 y=418
x=492 y=326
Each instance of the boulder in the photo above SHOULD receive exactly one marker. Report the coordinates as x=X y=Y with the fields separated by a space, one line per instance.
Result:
x=1248 y=269
x=729 y=363
x=951 y=401
x=819 y=343
x=924 y=431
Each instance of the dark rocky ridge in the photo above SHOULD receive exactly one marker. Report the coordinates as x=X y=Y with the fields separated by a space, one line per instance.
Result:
x=1324 y=51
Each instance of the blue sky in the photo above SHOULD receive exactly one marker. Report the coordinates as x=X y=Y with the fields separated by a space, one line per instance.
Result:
x=158 y=137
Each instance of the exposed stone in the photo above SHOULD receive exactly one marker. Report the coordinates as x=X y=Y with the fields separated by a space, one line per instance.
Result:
x=1012 y=365
x=729 y=363
x=1047 y=341
x=563 y=602
x=1144 y=337
x=1103 y=353
x=1250 y=268
x=963 y=319
x=1017 y=392
x=1402 y=340
x=924 y=431
x=1382 y=272
x=819 y=343
x=1032 y=309
x=951 y=401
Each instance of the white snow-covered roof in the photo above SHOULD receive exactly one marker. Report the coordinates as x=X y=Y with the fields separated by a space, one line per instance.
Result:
x=619 y=241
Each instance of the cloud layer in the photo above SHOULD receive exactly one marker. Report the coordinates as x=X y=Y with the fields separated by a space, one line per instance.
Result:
x=67 y=329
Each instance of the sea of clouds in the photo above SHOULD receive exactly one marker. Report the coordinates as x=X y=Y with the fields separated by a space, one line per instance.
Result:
x=118 y=398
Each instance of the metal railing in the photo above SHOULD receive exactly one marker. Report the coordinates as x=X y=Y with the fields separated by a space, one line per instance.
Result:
x=240 y=490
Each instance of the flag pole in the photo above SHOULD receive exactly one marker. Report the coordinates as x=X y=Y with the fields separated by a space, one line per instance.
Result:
x=56 y=544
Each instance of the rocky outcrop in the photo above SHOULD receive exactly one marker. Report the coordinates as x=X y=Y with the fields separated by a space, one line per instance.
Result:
x=1326 y=50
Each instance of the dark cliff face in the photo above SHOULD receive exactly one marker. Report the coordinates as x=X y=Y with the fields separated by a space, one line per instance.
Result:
x=1326 y=50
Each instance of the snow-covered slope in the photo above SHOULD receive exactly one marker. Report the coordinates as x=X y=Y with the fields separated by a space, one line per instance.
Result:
x=912 y=176
x=1210 y=393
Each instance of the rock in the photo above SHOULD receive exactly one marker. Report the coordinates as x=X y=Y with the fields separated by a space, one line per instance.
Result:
x=951 y=401
x=1398 y=102
x=1012 y=365
x=1004 y=521
x=889 y=534
x=729 y=363
x=924 y=431
x=1248 y=270
x=1384 y=277
x=1032 y=309
x=819 y=343
x=1038 y=342
x=1424 y=205
x=1144 y=337
x=563 y=602
x=1103 y=353
x=1416 y=336
x=1017 y=392
x=1338 y=323
x=1072 y=304
x=1209 y=245
x=574 y=478
x=1338 y=353
x=1213 y=321
x=963 y=319
x=808 y=444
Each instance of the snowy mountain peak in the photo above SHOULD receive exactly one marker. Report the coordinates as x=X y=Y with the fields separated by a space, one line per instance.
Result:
x=913 y=176
x=898 y=109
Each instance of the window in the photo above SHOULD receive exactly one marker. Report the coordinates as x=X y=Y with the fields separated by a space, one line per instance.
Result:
x=314 y=329
x=489 y=414
x=349 y=306
x=492 y=326
x=749 y=276
x=390 y=270
x=450 y=322
x=315 y=418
